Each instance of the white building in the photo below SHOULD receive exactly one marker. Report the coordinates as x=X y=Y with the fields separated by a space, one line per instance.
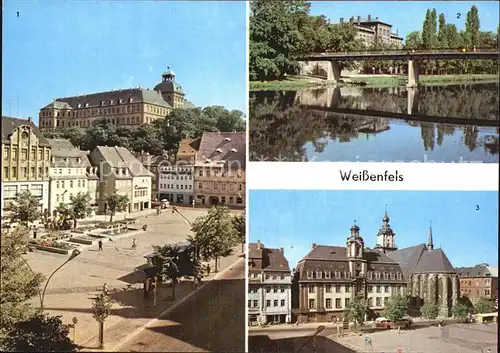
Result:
x=176 y=183
x=269 y=285
x=68 y=173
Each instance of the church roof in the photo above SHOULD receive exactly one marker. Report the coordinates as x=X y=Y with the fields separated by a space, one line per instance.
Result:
x=417 y=259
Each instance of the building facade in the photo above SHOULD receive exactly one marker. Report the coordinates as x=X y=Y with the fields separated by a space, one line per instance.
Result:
x=26 y=157
x=269 y=285
x=121 y=173
x=478 y=282
x=329 y=278
x=219 y=170
x=176 y=183
x=70 y=171
x=124 y=107
x=375 y=33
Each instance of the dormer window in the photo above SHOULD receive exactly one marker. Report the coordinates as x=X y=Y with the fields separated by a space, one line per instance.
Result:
x=102 y=103
x=111 y=101
x=398 y=275
x=377 y=275
x=207 y=160
x=130 y=100
x=233 y=150
x=86 y=105
x=369 y=274
x=309 y=274
x=218 y=150
x=318 y=274
x=386 y=275
x=337 y=274
x=227 y=139
x=79 y=105
x=393 y=275
x=346 y=274
x=328 y=274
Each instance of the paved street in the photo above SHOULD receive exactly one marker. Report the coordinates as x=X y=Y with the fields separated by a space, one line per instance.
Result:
x=213 y=320
x=70 y=290
x=455 y=338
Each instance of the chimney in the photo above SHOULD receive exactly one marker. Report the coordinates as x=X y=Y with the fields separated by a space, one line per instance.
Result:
x=359 y=19
x=29 y=119
x=259 y=245
x=342 y=20
x=369 y=17
x=314 y=245
x=282 y=251
x=351 y=19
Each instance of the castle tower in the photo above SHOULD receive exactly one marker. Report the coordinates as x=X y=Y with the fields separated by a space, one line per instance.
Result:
x=171 y=91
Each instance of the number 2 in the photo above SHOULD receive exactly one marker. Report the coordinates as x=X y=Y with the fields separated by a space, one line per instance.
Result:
x=458 y=15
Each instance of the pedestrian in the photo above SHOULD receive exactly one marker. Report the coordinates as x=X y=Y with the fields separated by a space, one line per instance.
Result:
x=105 y=289
x=134 y=244
x=208 y=270
x=34 y=233
x=100 y=244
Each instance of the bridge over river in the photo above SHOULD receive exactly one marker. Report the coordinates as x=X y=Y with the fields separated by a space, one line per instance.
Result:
x=412 y=56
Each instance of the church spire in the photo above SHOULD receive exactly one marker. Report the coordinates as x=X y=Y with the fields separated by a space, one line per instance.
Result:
x=430 y=242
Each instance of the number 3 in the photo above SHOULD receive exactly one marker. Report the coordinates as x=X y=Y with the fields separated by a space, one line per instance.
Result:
x=477 y=207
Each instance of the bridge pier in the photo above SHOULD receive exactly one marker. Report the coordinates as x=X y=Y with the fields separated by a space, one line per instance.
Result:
x=412 y=100
x=413 y=73
x=333 y=71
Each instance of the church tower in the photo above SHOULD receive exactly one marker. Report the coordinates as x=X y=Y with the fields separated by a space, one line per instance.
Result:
x=430 y=242
x=385 y=236
x=357 y=265
x=355 y=244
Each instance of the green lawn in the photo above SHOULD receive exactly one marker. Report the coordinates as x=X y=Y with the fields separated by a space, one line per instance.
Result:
x=294 y=83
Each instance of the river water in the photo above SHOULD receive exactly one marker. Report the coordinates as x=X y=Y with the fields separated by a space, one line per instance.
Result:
x=452 y=123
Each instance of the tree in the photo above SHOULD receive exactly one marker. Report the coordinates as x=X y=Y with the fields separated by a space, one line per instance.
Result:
x=65 y=214
x=19 y=283
x=396 y=308
x=429 y=310
x=356 y=310
x=442 y=37
x=40 y=333
x=460 y=311
x=472 y=27
x=101 y=308
x=215 y=234
x=484 y=306
x=240 y=226
x=167 y=260
x=80 y=206
x=413 y=40
x=25 y=209
x=115 y=203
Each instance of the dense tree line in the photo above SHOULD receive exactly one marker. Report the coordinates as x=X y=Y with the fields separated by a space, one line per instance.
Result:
x=161 y=135
x=281 y=32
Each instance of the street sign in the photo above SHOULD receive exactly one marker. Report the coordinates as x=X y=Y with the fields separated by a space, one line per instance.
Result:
x=368 y=340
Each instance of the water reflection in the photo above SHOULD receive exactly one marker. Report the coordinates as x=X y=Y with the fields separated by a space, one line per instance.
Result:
x=439 y=123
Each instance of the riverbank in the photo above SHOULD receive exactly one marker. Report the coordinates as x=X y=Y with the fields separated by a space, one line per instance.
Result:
x=295 y=83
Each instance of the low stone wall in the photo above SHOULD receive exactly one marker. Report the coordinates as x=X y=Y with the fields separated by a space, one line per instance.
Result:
x=51 y=249
x=81 y=241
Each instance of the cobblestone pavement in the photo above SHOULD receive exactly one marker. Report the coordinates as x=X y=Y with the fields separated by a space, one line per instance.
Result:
x=213 y=320
x=71 y=289
x=456 y=338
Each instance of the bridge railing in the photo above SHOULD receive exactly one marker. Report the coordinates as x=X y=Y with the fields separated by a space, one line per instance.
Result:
x=408 y=52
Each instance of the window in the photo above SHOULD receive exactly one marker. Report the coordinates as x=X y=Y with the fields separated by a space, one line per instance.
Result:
x=10 y=191
x=337 y=274
x=328 y=288
x=370 y=289
x=378 y=289
x=338 y=303
x=347 y=288
x=282 y=302
x=275 y=302
x=249 y=303
x=309 y=274
x=311 y=288
x=318 y=274
x=347 y=302
x=6 y=172
x=393 y=275
x=386 y=300
x=71 y=183
x=62 y=184
x=370 y=302
x=282 y=289
x=6 y=153
x=312 y=304
x=25 y=172
x=255 y=303
x=200 y=185
x=487 y=292
x=398 y=275
x=377 y=275
x=40 y=154
x=24 y=153
x=337 y=288
x=47 y=155
x=14 y=172
x=33 y=172
x=268 y=303
x=328 y=303
x=377 y=302
x=386 y=275
x=328 y=274
x=14 y=153
x=275 y=289
x=57 y=197
x=268 y=289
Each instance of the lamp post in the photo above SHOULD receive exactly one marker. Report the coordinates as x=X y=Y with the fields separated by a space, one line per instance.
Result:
x=317 y=332
x=74 y=254
x=73 y=326
x=33 y=272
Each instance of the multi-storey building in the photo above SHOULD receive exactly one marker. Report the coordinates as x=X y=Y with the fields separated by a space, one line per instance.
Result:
x=188 y=148
x=176 y=183
x=477 y=282
x=70 y=173
x=153 y=164
x=220 y=169
x=375 y=32
x=269 y=285
x=26 y=157
x=329 y=278
x=121 y=173
x=124 y=107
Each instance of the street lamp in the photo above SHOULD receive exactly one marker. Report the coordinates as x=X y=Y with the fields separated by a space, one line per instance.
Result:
x=34 y=274
x=74 y=254
x=317 y=332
